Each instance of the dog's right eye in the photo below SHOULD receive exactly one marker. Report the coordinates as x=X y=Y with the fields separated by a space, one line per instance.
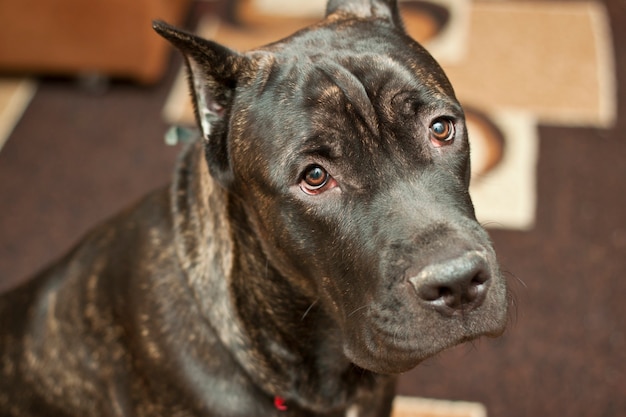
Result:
x=442 y=131
x=316 y=180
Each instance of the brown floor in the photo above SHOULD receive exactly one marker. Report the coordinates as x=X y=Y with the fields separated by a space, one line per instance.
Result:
x=77 y=157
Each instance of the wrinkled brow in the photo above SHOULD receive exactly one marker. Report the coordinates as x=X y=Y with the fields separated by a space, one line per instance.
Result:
x=354 y=91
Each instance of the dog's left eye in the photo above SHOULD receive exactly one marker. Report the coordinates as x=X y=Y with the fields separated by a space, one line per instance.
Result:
x=316 y=180
x=442 y=131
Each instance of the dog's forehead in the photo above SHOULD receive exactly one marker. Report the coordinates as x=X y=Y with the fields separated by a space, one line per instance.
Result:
x=365 y=65
x=368 y=48
x=337 y=81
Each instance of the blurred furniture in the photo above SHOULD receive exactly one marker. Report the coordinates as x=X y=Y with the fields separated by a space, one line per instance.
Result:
x=111 y=38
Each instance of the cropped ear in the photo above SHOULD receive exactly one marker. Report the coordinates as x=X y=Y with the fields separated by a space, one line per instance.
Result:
x=386 y=9
x=214 y=73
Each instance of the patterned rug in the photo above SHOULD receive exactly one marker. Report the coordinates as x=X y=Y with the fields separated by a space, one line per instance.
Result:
x=15 y=95
x=425 y=407
x=513 y=64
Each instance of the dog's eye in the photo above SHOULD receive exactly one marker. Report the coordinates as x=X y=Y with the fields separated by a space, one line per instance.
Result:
x=316 y=180
x=442 y=131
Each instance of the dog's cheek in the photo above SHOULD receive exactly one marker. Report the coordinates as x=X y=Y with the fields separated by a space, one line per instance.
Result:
x=325 y=255
x=288 y=235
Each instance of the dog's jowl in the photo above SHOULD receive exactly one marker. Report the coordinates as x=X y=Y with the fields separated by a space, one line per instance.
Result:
x=317 y=240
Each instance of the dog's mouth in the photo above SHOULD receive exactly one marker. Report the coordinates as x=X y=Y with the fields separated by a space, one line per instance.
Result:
x=395 y=335
x=394 y=353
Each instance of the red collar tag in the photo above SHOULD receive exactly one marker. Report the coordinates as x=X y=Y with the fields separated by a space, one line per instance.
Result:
x=280 y=404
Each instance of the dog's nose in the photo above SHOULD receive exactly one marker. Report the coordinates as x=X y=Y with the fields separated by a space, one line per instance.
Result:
x=456 y=285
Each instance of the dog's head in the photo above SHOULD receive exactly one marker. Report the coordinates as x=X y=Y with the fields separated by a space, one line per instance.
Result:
x=349 y=152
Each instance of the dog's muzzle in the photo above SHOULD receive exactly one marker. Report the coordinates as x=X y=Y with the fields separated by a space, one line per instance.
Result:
x=426 y=298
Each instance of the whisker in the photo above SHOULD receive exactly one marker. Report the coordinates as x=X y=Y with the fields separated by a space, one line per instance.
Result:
x=512 y=297
x=308 y=310
x=491 y=223
x=355 y=311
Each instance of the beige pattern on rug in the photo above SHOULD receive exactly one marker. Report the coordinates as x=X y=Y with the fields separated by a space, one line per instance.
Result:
x=15 y=95
x=425 y=407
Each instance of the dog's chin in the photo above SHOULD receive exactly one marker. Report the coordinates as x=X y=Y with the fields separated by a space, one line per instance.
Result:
x=384 y=355
x=388 y=360
x=384 y=367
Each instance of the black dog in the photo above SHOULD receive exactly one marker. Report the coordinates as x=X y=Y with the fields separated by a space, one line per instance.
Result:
x=324 y=241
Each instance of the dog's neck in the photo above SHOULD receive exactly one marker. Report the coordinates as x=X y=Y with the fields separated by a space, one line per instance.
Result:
x=218 y=257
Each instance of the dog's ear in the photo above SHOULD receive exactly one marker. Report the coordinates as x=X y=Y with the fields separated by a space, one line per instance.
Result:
x=214 y=72
x=387 y=9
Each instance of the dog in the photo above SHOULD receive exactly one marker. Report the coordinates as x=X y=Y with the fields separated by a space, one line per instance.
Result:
x=317 y=240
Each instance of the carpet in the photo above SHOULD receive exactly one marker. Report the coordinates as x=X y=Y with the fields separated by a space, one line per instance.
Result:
x=15 y=94
x=513 y=64
x=425 y=407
